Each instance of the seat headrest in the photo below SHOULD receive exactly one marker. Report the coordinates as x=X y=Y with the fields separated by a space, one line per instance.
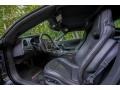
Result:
x=102 y=25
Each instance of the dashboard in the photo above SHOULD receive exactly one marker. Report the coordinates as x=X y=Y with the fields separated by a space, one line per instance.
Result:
x=29 y=44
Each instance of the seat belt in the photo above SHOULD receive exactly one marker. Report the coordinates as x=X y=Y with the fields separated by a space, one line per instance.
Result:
x=113 y=76
x=90 y=79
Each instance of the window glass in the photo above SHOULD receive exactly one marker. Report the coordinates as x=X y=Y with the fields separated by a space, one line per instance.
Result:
x=44 y=28
x=117 y=23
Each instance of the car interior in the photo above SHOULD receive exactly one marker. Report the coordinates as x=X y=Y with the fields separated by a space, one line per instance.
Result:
x=90 y=60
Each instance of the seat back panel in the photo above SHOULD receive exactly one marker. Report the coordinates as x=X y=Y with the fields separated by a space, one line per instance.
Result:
x=102 y=30
x=101 y=55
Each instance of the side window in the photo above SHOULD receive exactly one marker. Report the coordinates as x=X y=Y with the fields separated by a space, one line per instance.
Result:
x=74 y=35
x=117 y=23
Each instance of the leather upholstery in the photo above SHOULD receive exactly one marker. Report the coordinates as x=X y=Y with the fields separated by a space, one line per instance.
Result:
x=97 y=45
x=101 y=55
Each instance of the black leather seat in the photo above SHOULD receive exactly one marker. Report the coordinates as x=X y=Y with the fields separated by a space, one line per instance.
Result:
x=97 y=46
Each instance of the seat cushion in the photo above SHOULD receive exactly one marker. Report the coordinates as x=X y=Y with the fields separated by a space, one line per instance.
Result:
x=57 y=71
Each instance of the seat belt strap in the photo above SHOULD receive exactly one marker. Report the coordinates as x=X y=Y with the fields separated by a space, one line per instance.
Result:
x=113 y=76
x=90 y=79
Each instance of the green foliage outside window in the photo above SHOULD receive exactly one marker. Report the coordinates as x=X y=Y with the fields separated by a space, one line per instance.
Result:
x=9 y=14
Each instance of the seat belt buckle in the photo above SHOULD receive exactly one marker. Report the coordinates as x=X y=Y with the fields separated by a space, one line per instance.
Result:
x=90 y=79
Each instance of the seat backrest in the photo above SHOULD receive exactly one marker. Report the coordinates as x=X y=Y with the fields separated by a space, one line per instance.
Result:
x=97 y=37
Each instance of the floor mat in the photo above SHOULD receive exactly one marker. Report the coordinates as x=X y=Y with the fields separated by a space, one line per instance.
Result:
x=38 y=77
x=35 y=75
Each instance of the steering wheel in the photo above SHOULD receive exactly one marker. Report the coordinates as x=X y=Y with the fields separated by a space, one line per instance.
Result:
x=44 y=45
